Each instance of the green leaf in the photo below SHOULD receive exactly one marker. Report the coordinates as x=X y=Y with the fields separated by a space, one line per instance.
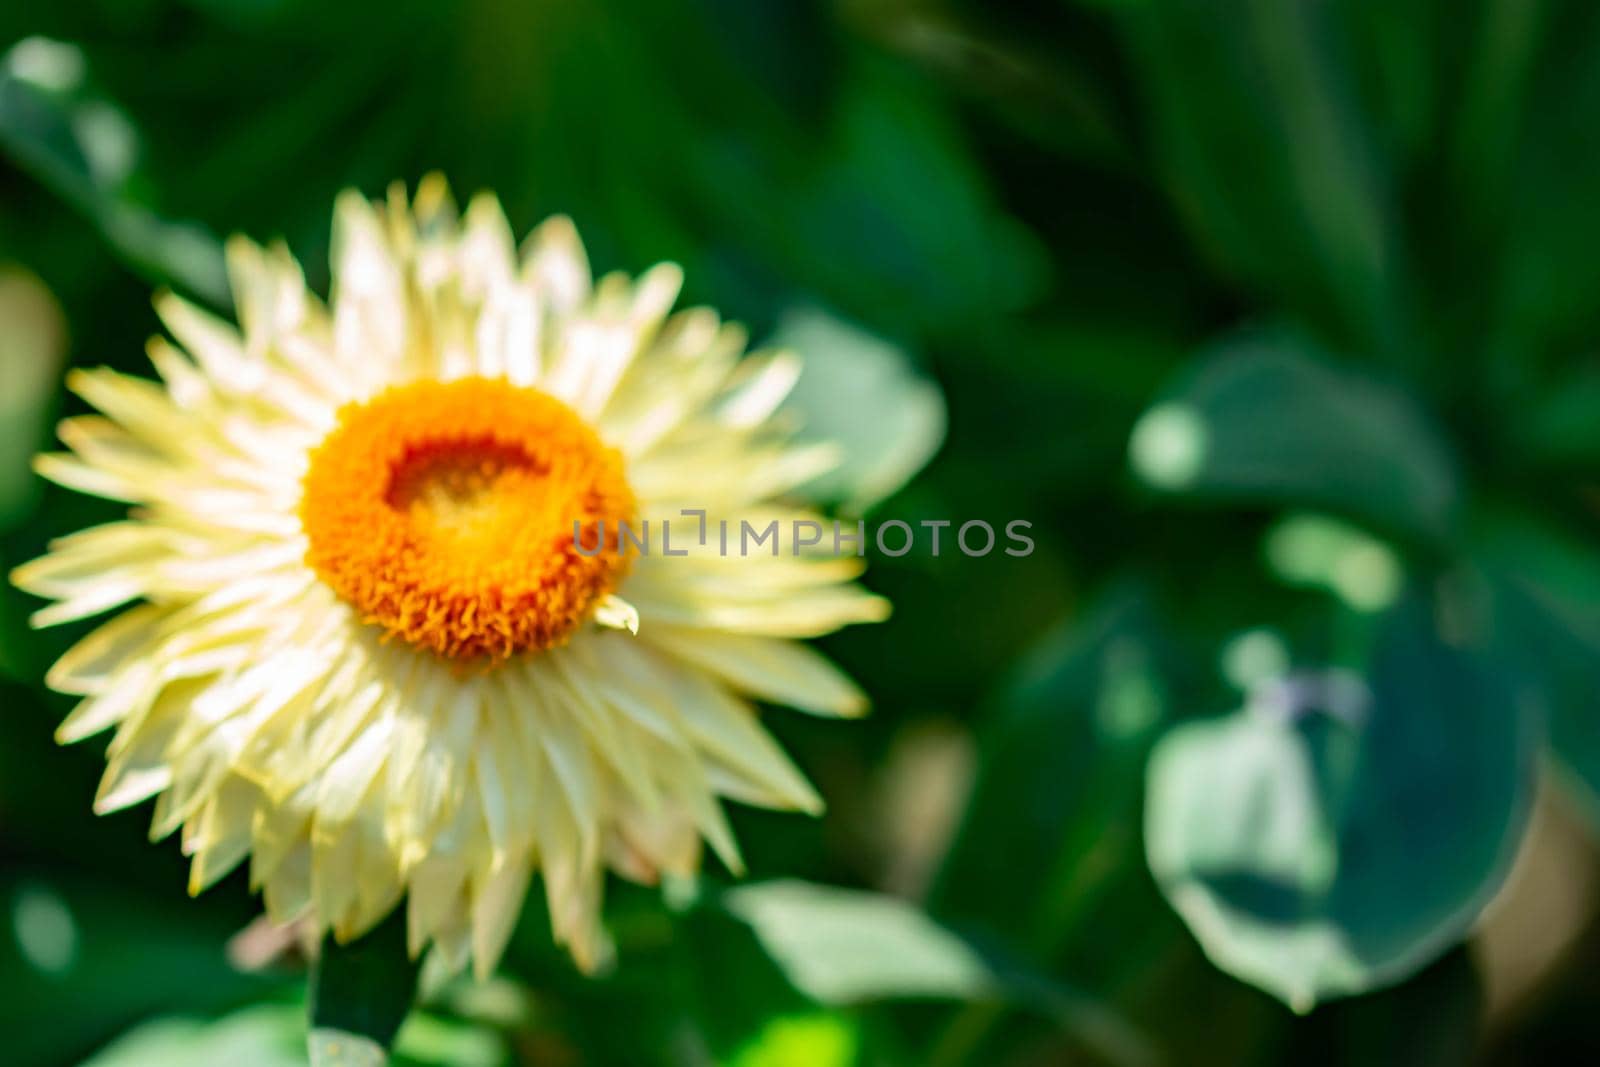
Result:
x=87 y=151
x=1053 y=807
x=1267 y=416
x=1549 y=298
x=432 y=1039
x=829 y=208
x=1548 y=621
x=339 y=1048
x=1322 y=553
x=273 y=1035
x=33 y=342
x=1322 y=851
x=864 y=395
x=1266 y=151
x=360 y=994
x=844 y=946
x=268 y=1035
x=816 y=1040
x=79 y=971
x=1563 y=427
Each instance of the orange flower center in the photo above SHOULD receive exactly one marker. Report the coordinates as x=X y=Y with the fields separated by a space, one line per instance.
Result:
x=444 y=512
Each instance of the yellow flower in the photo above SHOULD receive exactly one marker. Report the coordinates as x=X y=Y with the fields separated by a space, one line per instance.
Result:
x=365 y=649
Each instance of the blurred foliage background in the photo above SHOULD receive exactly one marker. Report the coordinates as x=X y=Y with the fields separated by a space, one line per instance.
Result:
x=1278 y=319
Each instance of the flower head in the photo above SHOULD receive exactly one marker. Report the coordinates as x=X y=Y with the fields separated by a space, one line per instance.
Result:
x=366 y=648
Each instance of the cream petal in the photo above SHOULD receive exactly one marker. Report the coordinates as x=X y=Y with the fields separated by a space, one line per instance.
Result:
x=615 y=671
x=811 y=614
x=615 y=613
x=684 y=778
x=761 y=383
x=106 y=446
x=486 y=256
x=693 y=355
x=93 y=600
x=728 y=730
x=497 y=896
x=611 y=736
x=566 y=751
x=370 y=309
x=223 y=837
x=345 y=781
x=782 y=672
x=554 y=262
x=70 y=472
x=216 y=346
x=90 y=664
x=141 y=407
x=504 y=790
x=279 y=829
x=508 y=335
x=135 y=687
x=286 y=893
x=437 y=887
x=270 y=295
x=185 y=383
x=137 y=766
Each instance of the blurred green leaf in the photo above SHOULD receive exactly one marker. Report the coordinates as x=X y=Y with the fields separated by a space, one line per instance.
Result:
x=1267 y=416
x=1044 y=89
x=361 y=992
x=33 y=341
x=844 y=946
x=1266 y=151
x=268 y=1035
x=76 y=969
x=818 y=1040
x=1549 y=298
x=1325 y=843
x=947 y=254
x=430 y=1039
x=1548 y=621
x=833 y=208
x=864 y=395
x=1319 y=552
x=1048 y=858
x=274 y=1035
x=340 y=1048
x=87 y=151
x=1061 y=762
x=1563 y=427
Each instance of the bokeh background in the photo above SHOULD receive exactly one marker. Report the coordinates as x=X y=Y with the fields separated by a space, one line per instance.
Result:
x=1278 y=319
